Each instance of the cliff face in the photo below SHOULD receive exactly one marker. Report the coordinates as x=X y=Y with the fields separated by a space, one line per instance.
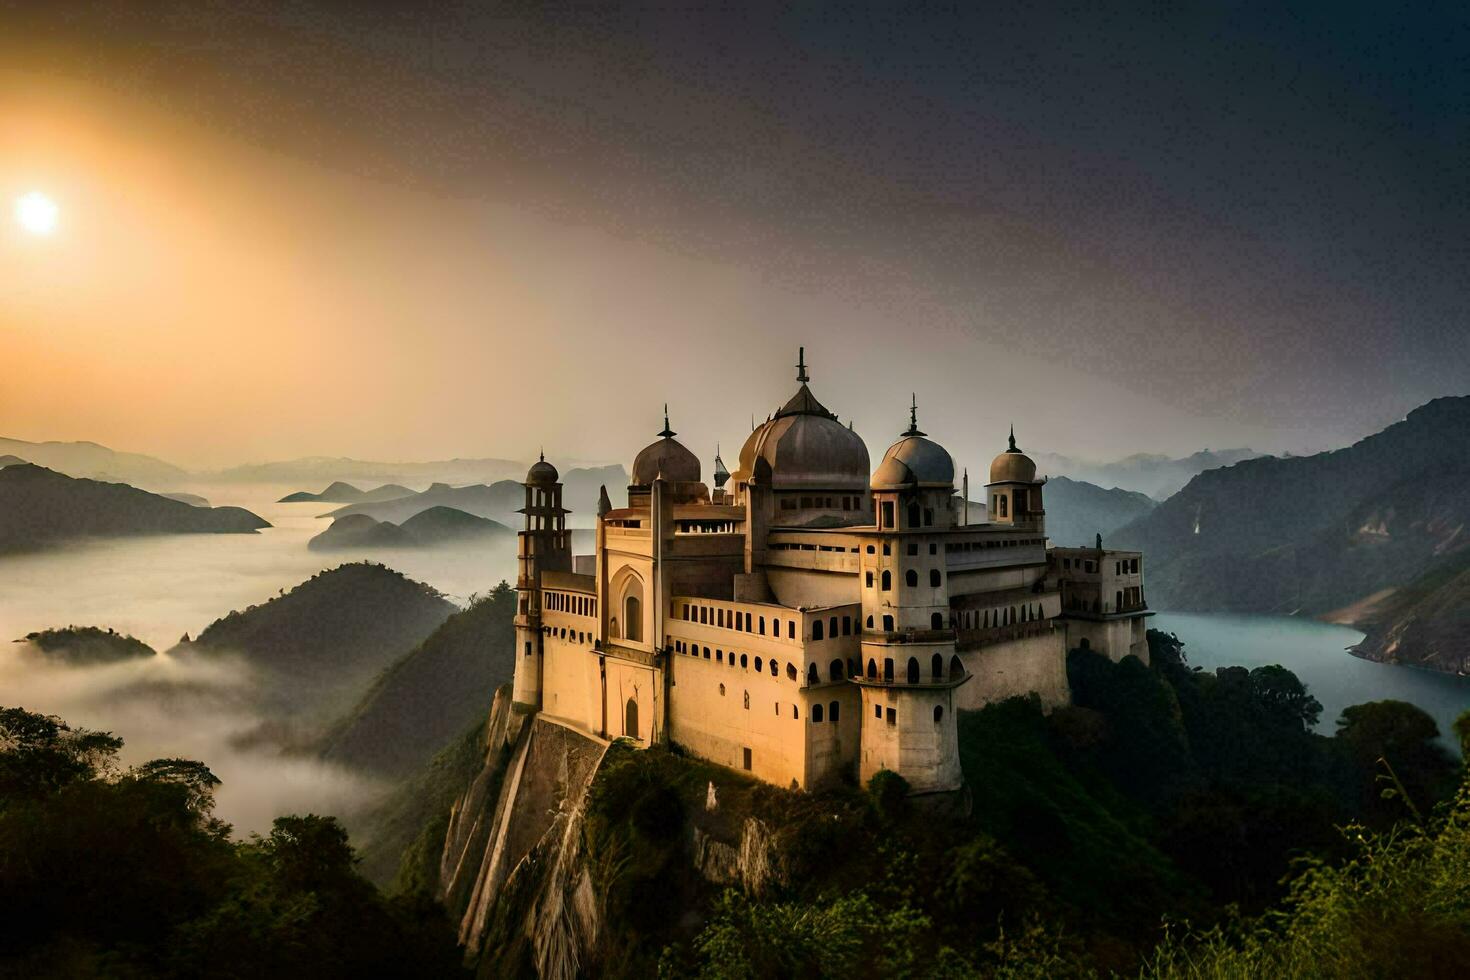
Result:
x=1426 y=623
x=527 y=871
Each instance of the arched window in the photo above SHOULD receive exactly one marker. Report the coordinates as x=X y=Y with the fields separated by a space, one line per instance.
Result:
x=888 y=624
x=1002 y=500
x=888 y=668
x=742 y=661
x=934 y=579
x=936 y=666
x=775 y=627
x=747 y=700
x=796 y=712
x=887 y=580
x=816 y=713
x=956 y=667
x=612 y=629
x=722 y=690
x=913 y=677
x=812 y=677
x=757 y=665
x=775 y=668
x=870 y=622
x=938 y=713
x=630 y=719
x=832 y=712
x=816 y=629
x=872 y=669
x=911 y=578
x=633 y=617
x=936 y=621
x=834 y=670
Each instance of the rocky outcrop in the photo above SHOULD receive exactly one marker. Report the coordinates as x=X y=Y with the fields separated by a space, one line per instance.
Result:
x=514 y=874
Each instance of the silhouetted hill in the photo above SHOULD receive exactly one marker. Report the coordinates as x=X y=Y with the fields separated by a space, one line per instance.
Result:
x=86 y=645
x=1310 y=534
x=1153 y=474
x=1426 y=623
x=10 y=461
x=326 y=639
x=360 y=531
x=39 y=507
x=426 y=529
x=336 y=493
x=91 y=461
x=1076 y=512
x=428 y=698
x=192 y=499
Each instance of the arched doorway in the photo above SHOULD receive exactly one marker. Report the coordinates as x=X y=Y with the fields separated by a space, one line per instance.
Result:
x=630 y=719
x=633 y=618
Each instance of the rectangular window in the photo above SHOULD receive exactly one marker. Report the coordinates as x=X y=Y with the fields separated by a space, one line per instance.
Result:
x=892 y=716
x=746 y=760
x=870 y=580
x=887 y=513
x=847 y=626
x=791 y=630
x=528 y=648
x=913 y=548
x=877 y=711
x=762 y=625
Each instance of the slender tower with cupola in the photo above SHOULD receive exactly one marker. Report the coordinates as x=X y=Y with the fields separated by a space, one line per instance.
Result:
x=542 y=545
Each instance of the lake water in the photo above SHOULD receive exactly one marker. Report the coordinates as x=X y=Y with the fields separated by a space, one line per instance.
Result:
x=1317 y=653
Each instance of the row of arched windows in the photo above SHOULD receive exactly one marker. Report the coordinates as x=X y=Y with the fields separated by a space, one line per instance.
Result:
x=719 y=656
x=734 y=619
x=973 y=619
x=577 y=605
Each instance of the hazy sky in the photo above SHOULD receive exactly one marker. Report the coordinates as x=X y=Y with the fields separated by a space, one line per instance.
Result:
x=304 y=229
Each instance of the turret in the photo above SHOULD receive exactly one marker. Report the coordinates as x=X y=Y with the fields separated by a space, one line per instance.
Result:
x=542 y=545
x=1014 y=492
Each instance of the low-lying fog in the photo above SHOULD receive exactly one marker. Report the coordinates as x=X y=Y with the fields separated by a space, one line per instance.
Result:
x=157 y=589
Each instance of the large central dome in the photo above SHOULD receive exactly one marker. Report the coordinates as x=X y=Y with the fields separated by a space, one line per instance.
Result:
x=806 y=447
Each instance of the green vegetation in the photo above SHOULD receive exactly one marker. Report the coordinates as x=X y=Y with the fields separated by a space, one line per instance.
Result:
x=124 y=872
x=1174 y=821
x=85 y=645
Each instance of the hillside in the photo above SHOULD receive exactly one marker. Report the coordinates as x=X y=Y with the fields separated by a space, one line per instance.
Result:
x=1076 y=512
x=39 y=507
x=90 y=461
x=426 y=699
x=1153 y=474
x=1425 y=623
x=323 y=642
x=1314 y=533
x=80 y=646
x=10 y=461
x=431 y=528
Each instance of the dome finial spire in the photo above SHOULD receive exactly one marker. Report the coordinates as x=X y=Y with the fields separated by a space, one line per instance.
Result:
x=801 y=374
x=913 y=429
x=1012 y=448
x=667 y=433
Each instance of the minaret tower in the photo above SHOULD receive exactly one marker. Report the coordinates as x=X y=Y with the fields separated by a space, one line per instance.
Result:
x=543 y=545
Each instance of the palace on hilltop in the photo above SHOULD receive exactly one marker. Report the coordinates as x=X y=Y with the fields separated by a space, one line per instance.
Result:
x=810 y=618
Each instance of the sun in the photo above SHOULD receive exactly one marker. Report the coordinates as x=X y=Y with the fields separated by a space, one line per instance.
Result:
x=36 y=213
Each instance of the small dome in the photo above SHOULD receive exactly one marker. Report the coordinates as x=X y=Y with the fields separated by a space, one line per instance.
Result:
x=666 y=458
x=914 y=461
x=542 y=472
x=1013 y=466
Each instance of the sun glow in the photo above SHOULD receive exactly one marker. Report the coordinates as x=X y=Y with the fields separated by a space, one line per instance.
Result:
x=36 y=213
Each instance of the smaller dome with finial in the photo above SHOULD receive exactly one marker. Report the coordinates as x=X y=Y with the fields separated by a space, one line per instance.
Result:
x=1013 y=466
x=914 y=460
x=666 y=459
x=542 y=472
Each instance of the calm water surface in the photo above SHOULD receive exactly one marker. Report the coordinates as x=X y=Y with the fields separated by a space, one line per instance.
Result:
x=1316 y=653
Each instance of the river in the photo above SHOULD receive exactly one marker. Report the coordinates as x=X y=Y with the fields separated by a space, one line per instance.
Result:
x=1317 y=653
